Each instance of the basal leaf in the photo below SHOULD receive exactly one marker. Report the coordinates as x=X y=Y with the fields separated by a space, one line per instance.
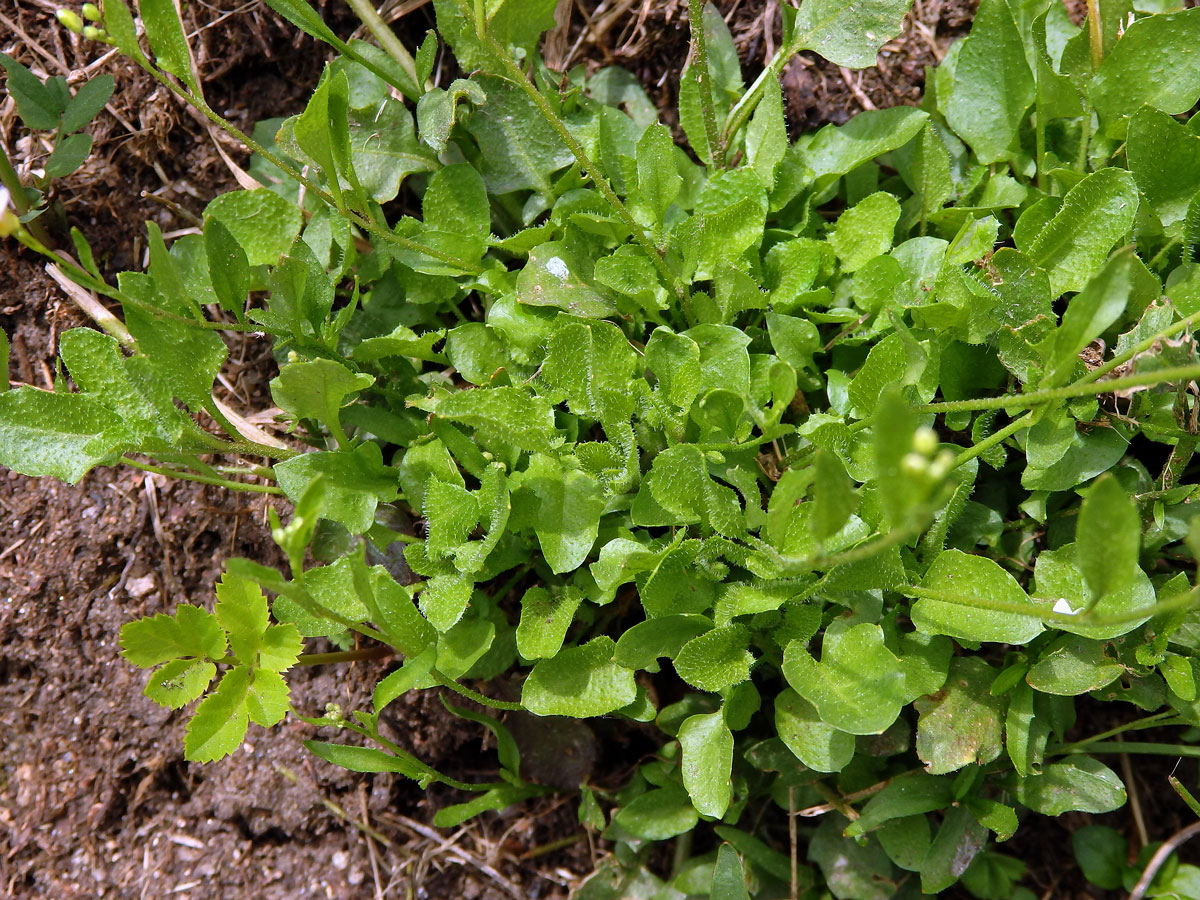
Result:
x=317 y=389
x=1164 y=157
x=838 y=149
x=817 y=744
x=849 y=34
x=707 y=749
x=261 y=222
x=545 y=618
x=508 y=415
x=580 y=682
x=1108 y=537
x=962 y=723
x=974 y=578
x=993 y=85
x=570 y=504
x=1155 y=63
x=356 y=481
x=1095 y=215
x=1082 y=784
x=715 y=660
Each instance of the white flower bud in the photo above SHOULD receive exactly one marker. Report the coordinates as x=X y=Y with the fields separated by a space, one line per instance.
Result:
x=925 y=441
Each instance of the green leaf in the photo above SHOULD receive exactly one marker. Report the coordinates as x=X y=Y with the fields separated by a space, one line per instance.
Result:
x=219 y=723
x=658 y=178
x=304 y=17
x=1095 y=215
x=1089 y=314
x=261 y=222
x=557 y=276
x=993 y=85
x=545 y=618
x=641 y=646
x=905 y=795
x=1071 y=666
x=707 y=762
x=1156 y=63
x=818 y=745
x=962 y=723
x=1164 y=157
x=852 y=871
x=974 y=578
x=191 y=632
x=368 y=759
x=838 y=149
x=1082 y=784
x=242 y=612
x=317 y=390
x=833 y=497
x=1101 y=853
x=509 y=415
x=570 y=504
x=859 y=686
x=60 y=435
x=179 y=682
x=523 y=150
x=69 y=155
x=118 y=22
x=1057 y=578
x=580 y=682
x=165 y=32
x=267 y=699
x=958 y=840
x=495 y=799
x=356 y=481
x=1108 y=538
x=866 y=230
x=658 y=814
x=228 y=268
x=437 y=110
x=391 y=607
x=929 y=175
x=37 y=105
x=680 y=491
x=717 y=659
x=849 y=34
x=766 y=137
x=729 y=879
x=91 y=97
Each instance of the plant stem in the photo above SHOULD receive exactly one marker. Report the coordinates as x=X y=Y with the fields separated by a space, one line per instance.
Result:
x=203 y=479
x=1079 y=389
x=716 y=146
x=446 y=681
x=370 y=17
x=1136 y=725
x=341 y=656
x=517 y=77
x=1139 y=347
x=1095 y=33
x=1025 y=421
x=1142 y=748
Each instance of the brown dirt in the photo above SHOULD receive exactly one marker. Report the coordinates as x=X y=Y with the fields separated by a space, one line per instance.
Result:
x=95 y=798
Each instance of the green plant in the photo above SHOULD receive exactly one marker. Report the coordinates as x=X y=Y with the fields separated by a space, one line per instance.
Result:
x=832 y=426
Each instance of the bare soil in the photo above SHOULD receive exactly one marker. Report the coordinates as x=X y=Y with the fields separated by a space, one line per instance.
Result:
x=96 y=800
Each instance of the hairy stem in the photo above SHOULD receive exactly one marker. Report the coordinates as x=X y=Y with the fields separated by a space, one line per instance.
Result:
x=341 y=656
x=379 y=29
x=202 y=479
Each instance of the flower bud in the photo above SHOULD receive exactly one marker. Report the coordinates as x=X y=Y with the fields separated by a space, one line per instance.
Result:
x=69 y=19
x=925 y=440
x=92 y=33
x=91 y=12
x=914 y=465
x=942 y=464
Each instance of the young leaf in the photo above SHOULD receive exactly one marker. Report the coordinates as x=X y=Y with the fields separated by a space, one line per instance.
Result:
x=267 y=698
x=545 y=618
x=839 y=149
x=833 y=497
x=261 y=222
x=356 y=481
x=1108 y=538
x=658 y=814
x=866 y=231
x=766 y=136
x=658 y=178
x=179 y=682
x=707 y=761
x=717 y=659
x=317 y=390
